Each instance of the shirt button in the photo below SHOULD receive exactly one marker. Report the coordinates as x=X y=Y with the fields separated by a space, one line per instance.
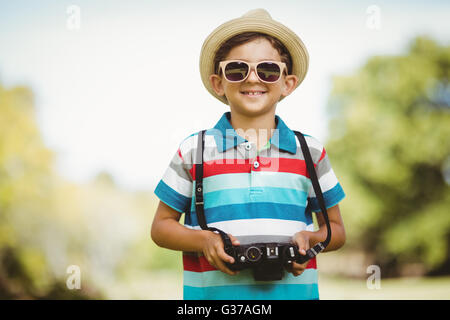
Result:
x=256 y=164
x=248 y=146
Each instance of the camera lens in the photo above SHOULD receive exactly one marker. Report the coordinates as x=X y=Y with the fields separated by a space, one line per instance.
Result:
x=253 y=254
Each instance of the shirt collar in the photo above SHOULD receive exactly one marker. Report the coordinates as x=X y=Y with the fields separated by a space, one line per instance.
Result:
x=226 y=137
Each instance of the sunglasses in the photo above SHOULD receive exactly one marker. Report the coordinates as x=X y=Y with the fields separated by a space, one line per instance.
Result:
x=238 y=71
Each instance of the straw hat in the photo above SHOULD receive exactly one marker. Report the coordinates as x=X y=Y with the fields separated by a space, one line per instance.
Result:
x=257 y=20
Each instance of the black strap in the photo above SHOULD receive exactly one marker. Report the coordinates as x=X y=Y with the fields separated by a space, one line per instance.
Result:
x=199 y=204
x=199 y=181
x=317 y=190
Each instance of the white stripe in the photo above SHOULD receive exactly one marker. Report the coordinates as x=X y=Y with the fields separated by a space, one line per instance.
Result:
x=327 y=182
x=245 y=277
x=191 y=142
x=313 y=143
x=179 y=184
x=253 y=227
x=188 y=144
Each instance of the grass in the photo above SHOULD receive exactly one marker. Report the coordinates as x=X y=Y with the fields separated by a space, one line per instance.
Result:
x=400 y=289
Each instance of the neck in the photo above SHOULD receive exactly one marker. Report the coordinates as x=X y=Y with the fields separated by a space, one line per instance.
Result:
x=256 y=129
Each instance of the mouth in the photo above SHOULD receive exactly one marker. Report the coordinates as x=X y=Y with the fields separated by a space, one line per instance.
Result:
x=253 y=93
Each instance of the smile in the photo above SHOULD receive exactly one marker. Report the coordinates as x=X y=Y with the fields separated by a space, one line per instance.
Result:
x=253 y=93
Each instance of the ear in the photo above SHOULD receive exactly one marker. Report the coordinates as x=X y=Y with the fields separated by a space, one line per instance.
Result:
x=216 y=84
x=289 y=84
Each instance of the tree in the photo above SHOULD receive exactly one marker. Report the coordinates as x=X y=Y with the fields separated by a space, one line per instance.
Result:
x=389 y=136
x=48 y=223
x=27 y=196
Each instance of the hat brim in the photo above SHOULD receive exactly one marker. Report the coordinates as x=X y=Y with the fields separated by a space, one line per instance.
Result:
x=290 y=40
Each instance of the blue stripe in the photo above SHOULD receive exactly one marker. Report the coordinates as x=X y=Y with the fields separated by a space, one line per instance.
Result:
x=257 y=210
x=257 y=292
x=331 y=198
x=172 y=198
x=254 y=194
x=256 y=179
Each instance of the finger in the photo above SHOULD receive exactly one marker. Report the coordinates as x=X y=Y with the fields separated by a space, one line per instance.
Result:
x=222 y=267
x=296 y=273
x=220 y=257
x=296 y=270
x=210 y=261
x=234 y=240
x=212 y=257
x=299 y=267
x=224 y=256
x=303 y=245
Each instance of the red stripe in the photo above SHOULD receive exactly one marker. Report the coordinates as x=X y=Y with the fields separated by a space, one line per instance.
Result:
x=312 y=264
x=200 y=264
x=179 y=153
x=322 y=155
x=196 y=264
x=224 y=166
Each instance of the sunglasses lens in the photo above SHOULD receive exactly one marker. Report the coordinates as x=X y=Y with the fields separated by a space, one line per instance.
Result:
x=269 y=72
x=236 y=71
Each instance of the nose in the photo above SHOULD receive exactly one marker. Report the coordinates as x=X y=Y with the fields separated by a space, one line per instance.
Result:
x=252 y=77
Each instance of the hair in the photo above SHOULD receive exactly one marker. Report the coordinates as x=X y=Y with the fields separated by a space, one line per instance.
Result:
x=247 y=37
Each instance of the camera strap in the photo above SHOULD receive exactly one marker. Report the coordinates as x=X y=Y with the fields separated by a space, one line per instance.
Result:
x=199 y=203
x=312 y=252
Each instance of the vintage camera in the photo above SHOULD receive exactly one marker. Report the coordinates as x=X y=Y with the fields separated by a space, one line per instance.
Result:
x=267 y=260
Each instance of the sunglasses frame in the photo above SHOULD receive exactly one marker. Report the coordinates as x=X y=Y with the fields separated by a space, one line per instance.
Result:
x=252 y=66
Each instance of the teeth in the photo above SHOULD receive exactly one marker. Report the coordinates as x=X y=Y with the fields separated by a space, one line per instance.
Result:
x=253 y=93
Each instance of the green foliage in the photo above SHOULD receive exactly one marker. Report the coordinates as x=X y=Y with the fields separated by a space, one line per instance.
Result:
x=48 y=224
x=389 y=140
x=33 y=239
x=25 y=174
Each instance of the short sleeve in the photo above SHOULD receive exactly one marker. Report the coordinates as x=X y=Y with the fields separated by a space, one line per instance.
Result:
x=331 y=188
x=175 y=187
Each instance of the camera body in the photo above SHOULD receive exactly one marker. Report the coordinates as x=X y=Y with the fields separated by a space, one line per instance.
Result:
x=267 y=259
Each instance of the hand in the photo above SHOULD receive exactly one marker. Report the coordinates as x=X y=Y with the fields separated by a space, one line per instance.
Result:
x=301 y=239
x=215 y=254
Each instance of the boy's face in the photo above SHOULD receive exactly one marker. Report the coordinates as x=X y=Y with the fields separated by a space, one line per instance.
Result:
x=237 y=93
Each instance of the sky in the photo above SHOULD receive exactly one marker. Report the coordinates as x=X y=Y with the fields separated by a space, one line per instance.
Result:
x=117 y=84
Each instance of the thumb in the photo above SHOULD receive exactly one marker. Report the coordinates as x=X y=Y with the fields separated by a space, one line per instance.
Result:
x=302 y=244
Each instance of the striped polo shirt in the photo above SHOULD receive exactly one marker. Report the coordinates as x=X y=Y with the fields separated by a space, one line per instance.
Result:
x=255 y=195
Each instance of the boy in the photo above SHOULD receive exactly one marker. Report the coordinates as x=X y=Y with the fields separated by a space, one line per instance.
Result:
x=254 y=183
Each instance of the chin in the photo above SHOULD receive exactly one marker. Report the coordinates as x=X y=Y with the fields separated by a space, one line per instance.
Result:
x=253 y=110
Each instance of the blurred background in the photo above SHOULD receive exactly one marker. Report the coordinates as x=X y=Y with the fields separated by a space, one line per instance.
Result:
x=95 y=97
